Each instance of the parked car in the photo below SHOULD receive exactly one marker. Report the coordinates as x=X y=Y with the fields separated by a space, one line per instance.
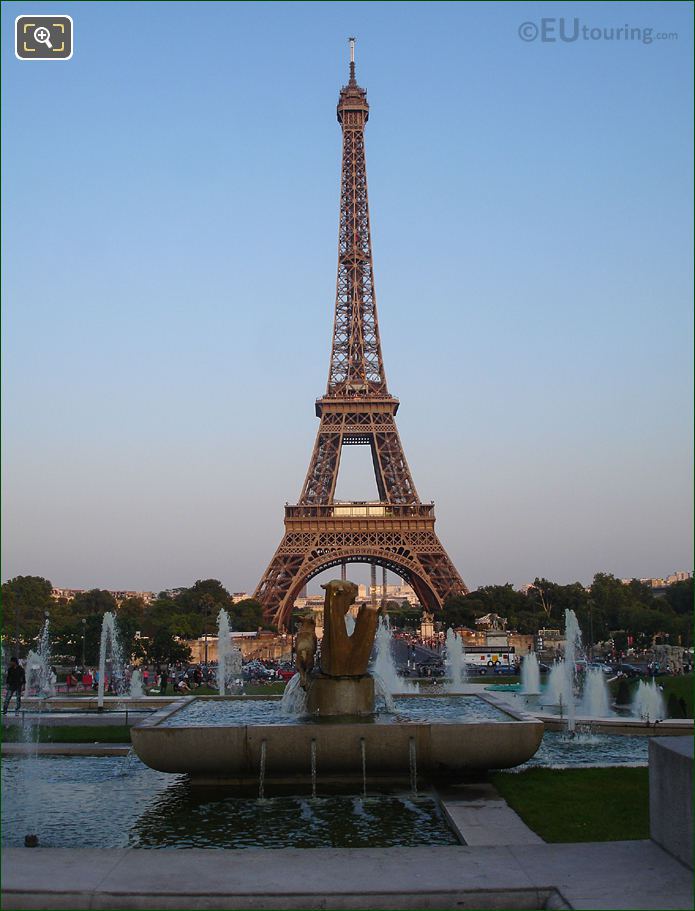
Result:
x=430 y=669
x=256 y=670
x=629 y=670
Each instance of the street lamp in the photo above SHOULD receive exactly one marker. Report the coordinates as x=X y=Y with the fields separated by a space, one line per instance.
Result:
x=84 y=630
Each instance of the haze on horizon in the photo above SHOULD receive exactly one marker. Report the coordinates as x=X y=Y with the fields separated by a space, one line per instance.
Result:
x=169 y=262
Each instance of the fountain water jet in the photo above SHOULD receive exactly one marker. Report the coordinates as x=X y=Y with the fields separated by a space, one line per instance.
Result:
x=384 y=666
x=228 y=655
x=530 y=675
x=294 y=698
x=363 y=751
x=412 y=760
x=648 y=702
x=554 y=692
x=595 y=702
x=261 y=770
x=109 y=635
x=38 y=666
x=455 y=662
x=136 y=690
x=313 y=766
x=573 y=643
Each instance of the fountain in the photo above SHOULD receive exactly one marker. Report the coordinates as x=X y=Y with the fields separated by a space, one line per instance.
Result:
x=39 y=674
x=228 y=655
x=648 y=702
x=595 y=702
x=136 y=689
x=573 y=644
x=384 y=667
x=337 y=727
x=109 y=636
x=455 y=662
x=554 y=693
x=530 y=675
x=294 y=698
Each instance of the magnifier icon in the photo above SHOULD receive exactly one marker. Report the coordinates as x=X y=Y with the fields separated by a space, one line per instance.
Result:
x=43 y=36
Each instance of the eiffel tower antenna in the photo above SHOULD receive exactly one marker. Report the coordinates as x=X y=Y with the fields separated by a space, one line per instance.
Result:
x=396 y=532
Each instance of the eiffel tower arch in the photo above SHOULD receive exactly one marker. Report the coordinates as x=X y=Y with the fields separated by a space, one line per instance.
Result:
x=397 y=531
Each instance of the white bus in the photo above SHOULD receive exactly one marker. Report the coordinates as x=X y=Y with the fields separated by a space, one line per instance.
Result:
x=482 y=659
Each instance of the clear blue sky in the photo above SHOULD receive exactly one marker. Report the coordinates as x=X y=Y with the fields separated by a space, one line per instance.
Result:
x=170 y=230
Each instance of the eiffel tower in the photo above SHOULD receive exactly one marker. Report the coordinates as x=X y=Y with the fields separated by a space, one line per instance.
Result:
x=397 y=532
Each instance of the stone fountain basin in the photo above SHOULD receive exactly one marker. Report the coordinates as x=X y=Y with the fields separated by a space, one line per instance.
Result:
x=441 y=749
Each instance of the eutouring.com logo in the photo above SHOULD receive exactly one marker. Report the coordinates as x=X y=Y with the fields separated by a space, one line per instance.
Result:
x=551 y=31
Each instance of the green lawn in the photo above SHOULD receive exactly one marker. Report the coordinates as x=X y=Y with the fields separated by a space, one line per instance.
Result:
x=570 y=805
x=681 y=687
x=116 y=733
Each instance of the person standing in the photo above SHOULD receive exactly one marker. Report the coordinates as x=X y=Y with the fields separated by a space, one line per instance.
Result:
x=15 y=680
x=164 y=679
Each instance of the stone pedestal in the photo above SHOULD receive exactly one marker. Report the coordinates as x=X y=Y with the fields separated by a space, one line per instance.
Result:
x=671 y=795
x=341 y=695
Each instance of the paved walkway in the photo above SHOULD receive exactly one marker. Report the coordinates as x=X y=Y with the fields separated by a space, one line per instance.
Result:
x=617 y=875
x=75 y=719
x=481 y=817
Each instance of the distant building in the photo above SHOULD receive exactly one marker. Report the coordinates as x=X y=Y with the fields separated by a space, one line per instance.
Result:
x=491 y=622
x=553 y=641
x=68 y=594
x=400 y=593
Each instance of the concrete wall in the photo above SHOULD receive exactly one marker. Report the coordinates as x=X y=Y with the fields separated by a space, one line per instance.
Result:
x=671 y=795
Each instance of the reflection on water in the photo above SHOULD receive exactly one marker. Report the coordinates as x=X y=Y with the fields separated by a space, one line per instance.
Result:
x=102 y=802
x=190 y=818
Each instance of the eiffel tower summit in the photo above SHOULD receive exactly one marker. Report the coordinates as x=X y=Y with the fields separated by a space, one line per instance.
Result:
x=397 y=532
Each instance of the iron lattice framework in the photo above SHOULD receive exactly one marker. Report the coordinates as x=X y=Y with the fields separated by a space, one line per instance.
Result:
x=396 y=533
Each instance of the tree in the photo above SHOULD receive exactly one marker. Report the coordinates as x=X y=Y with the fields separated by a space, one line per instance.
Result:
x=679 y=597
x=459 y=610
x=26 y=599
x=206 y=594
x=247 y=615
x=163 y=647
x=129 y=621
x=93 y=602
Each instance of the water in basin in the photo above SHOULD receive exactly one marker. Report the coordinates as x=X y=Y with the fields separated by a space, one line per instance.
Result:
x=211 y=712
x=108 y=802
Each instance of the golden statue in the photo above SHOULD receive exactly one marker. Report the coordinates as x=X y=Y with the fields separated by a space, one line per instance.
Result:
x=343 y=655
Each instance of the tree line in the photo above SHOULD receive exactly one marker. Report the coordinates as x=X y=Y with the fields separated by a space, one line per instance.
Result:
x=75 y=625
x=629 y=614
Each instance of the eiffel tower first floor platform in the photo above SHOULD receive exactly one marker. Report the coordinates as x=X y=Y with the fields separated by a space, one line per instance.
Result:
x=400 y=538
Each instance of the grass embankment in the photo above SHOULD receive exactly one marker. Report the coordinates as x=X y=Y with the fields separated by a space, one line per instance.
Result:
x=115 y=733
x=681 y=688
x=571 y=805
x=674 y=688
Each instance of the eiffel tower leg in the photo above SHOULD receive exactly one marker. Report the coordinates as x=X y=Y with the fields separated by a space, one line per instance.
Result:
x=416 y=556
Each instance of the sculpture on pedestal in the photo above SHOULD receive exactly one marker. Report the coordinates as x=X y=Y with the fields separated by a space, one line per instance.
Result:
x=342 y=686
